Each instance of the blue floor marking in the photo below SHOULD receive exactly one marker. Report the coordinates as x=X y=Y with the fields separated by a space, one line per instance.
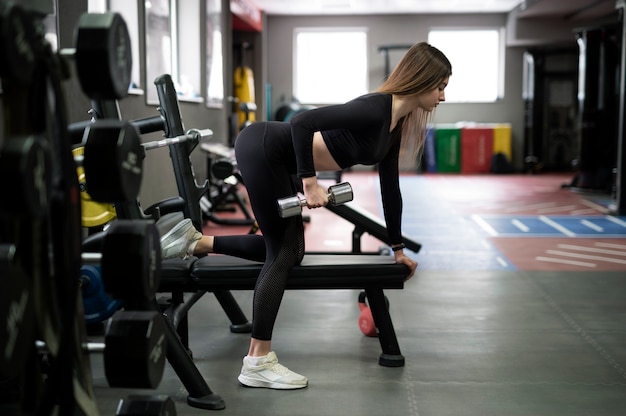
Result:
x=542 y=226
x=453 y=241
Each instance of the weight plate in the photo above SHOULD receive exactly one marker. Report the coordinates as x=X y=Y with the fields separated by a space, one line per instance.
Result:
x=16 y=306
x=93 y=213
x=24 y=172
x=18 y=57
x=97 y=304
x=113 y=161
x=131 y=259
x=135 y=349
x=103 y=55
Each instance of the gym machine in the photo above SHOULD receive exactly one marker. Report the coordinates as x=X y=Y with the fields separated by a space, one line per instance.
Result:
x=223 y=192
x=598 y=107
x=619 y=205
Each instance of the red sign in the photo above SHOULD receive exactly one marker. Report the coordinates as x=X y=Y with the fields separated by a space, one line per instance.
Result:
x=246 y=16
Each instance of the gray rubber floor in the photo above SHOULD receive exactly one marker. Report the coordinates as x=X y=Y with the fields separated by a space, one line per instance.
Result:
x=481 y=337
x=476 y=343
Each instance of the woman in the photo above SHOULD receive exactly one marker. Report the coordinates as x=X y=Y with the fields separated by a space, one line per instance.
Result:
x=368 y=130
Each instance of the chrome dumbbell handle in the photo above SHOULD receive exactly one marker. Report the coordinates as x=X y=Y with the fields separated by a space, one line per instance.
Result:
x=337 y=194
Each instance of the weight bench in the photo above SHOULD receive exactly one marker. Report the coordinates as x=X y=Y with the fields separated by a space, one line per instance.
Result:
x=215 y=273
x=366 y=222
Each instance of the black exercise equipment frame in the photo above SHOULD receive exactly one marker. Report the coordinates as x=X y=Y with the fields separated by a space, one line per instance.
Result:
x=221 y=192
x=200 y=394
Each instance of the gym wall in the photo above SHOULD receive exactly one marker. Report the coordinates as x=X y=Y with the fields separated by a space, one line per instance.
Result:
x=158 y=179
x=273 y=65
x=407 y=29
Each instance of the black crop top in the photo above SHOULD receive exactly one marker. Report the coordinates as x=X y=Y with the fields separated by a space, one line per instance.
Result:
x=356 y=132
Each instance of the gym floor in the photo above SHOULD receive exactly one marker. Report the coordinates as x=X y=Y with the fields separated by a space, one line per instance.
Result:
x=517 y=308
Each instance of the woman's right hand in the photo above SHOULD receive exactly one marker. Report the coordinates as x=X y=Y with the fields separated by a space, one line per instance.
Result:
x=400 y=257
x=316 y=196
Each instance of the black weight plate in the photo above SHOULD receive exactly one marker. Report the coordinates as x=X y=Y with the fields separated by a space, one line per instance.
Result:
x=18 y=56
x=24 y=174
x=113 y=161
x=131 y=260
x=135 y=349
x=103 y=55
x=16 y=308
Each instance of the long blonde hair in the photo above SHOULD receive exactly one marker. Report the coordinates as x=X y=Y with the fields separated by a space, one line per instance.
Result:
x=420 y=70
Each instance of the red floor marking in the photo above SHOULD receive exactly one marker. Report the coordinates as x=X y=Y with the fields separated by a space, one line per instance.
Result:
x=514 y=194
x=573 y=254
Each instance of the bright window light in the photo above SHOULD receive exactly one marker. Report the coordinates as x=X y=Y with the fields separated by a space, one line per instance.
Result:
x=477 y=63
x=330 y=65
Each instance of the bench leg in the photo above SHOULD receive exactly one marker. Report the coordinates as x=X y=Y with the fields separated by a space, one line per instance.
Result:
x=176 y=309
x=200 y=394
x=239 y=322
x=391 y=355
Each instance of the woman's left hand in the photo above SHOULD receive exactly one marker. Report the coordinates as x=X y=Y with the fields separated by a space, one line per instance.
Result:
x=404 y=259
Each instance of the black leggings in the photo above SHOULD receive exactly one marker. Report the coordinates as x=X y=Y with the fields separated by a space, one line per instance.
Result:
x=266 y=160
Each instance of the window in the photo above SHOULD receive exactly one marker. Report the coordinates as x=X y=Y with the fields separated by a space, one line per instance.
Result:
x=173 y=47
x=186 y=56
x=158 y=44
x=330 y=65
x=214 y=59
x=477 y=63
x=128 y=11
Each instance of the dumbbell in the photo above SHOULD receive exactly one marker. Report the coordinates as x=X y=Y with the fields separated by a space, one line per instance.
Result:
x=134 y=349
x=129 y=266
x=113 y=161
x=125 y=271
x=131 y=261
x=337 y=194
x=103 y=55
x=121 y=268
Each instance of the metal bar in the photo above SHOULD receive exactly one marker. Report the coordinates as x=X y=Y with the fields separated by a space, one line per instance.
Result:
x=619 y=206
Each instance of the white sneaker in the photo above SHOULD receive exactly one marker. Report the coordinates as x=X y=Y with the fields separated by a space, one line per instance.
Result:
x=271 y=375
x=177 y=241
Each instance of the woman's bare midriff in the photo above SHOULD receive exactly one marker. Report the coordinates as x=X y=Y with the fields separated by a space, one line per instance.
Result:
x=322 y=158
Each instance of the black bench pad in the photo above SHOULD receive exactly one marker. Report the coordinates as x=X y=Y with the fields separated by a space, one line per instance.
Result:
x=317 y=271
